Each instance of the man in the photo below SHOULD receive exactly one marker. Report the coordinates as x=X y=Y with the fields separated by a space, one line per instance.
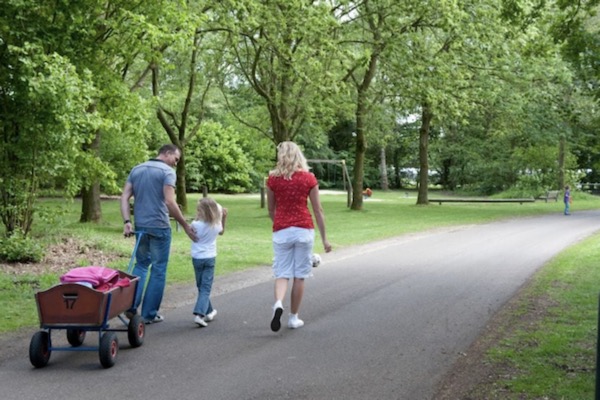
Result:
x=152 y=185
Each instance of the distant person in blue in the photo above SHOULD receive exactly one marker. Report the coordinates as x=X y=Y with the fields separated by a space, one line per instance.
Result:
x=152 y=185
x=567 y=199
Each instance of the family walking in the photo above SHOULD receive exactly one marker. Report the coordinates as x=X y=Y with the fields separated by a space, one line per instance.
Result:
x=289 y=188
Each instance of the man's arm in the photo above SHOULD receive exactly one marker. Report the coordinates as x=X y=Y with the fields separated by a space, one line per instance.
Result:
x=125 y=209
x=175 y=212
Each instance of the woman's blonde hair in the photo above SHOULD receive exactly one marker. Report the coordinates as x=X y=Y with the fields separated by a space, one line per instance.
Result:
x=289 y=160
x=208 y=211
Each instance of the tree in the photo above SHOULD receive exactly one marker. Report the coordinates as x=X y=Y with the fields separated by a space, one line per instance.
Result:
x=181 y=114
x=282 y=50
x=97 y=39
x=43 y=125
x=375 y=31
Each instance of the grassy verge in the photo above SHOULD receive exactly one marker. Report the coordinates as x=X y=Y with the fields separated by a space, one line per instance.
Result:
x=548 y=344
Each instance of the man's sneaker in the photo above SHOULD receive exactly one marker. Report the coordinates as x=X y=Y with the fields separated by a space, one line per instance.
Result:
x=294 y=322
x=200 y=321
x=211 y=315
x=276 y=321
x=155 y=320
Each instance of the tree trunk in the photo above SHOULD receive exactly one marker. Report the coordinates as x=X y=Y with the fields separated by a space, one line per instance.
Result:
x=361 y=140
x=426 y=118
x=397 y=172
x=359 y=158
x=180 y=186
x=383 y=167
x=91 y=207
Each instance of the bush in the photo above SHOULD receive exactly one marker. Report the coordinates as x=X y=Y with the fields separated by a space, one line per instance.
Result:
x=215 y=159
x=18 y=248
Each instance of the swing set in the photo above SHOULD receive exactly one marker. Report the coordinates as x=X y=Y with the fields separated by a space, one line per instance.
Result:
x=345 y=176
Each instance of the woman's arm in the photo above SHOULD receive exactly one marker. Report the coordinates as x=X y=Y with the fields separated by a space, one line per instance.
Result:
x=271 y=203
x=319 y=216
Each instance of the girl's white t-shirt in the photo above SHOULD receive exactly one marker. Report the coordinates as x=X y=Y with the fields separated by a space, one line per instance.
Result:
x=206 y=246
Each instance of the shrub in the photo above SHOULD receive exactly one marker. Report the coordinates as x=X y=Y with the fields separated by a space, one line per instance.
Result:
x=18 y=248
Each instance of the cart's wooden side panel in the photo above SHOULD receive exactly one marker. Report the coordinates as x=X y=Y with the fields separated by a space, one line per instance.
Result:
x=71 y=303
x=79 y=305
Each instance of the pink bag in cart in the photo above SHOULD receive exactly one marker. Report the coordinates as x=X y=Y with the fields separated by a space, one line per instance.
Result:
x=100 y=278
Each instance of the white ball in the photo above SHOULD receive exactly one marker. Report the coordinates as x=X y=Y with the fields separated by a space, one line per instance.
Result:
x=316 y=260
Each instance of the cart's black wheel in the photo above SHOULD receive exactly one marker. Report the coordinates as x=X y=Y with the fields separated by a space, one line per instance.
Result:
x=39 y=349
x=75 y=336
x=136 y=331
x=109 y=347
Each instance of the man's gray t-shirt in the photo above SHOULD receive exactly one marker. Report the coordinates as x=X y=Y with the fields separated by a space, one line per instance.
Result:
x=148 y=180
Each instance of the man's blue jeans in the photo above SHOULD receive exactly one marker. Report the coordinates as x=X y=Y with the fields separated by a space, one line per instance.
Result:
x=151 y=259
x=204 y=269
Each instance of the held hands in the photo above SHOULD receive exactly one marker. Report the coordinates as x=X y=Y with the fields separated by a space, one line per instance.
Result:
x=191 y=232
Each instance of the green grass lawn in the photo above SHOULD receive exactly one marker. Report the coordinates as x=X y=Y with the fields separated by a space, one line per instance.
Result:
x=553 y=358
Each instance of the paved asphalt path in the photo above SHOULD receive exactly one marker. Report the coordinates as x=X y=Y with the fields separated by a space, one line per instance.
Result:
x=383 y=321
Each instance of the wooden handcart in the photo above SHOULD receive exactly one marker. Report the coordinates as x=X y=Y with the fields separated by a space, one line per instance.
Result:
x=78 y=309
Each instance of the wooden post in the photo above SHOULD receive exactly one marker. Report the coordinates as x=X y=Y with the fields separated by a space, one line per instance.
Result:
x=262 y=193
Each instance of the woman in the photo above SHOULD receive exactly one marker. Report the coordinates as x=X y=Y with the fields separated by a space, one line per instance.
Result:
x=288 y=187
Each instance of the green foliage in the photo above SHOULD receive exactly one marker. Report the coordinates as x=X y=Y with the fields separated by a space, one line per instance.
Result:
x=19 y=248
x=215 y=159
x=81 y=84
x=43 y=127
x=283 y=51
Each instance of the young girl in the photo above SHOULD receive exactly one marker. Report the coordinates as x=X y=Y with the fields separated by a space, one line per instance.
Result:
x=209 y=222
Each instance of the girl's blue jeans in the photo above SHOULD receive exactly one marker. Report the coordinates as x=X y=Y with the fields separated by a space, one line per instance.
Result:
x=204 y=269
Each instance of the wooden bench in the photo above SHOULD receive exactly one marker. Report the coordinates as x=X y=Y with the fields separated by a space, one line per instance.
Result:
x=520 y=201
x=550 y=194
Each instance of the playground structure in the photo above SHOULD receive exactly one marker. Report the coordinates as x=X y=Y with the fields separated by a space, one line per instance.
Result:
x=345 y=176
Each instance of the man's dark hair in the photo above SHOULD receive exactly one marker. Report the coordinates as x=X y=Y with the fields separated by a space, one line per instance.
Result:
x=169 y=148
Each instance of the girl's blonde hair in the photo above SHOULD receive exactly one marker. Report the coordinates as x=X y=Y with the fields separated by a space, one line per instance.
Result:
x=208 y=211
x=289 y=160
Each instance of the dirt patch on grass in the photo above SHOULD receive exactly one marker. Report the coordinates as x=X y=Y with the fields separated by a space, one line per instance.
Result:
x=61 y=257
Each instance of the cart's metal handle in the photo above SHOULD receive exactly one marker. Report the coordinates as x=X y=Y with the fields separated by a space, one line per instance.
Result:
x=137 y=243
